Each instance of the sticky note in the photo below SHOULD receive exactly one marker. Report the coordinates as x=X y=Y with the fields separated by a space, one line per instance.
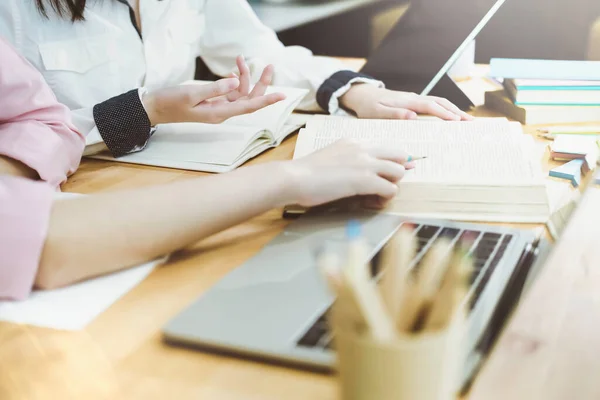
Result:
x=570 y=171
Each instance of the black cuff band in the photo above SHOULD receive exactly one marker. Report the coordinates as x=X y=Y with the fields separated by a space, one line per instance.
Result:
x=123 y=123
x=333 y=84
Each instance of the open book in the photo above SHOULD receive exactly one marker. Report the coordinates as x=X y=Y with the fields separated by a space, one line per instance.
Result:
x=477 y=171
x=221 y=147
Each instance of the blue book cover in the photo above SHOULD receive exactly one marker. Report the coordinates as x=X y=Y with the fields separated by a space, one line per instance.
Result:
x=545 y=69
x=553 y=85
x=570 y=171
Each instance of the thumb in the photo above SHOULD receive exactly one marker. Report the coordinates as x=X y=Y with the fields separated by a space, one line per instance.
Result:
x=199 y=93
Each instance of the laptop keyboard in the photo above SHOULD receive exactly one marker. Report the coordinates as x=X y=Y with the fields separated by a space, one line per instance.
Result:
x=487 y=251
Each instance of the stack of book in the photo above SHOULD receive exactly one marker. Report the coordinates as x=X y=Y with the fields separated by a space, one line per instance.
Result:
x=546 y=91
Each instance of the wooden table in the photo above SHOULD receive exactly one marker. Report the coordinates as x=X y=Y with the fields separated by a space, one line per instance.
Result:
x=120 y=355
x=549 y=349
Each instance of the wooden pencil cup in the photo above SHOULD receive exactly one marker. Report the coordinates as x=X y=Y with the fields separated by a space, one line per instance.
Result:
x=425 y=366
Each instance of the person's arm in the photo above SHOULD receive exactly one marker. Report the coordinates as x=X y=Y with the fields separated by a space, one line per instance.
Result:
x=97 y=234
x=125 y=122
x=24 y=213
x=233 y=28
x=36 y=136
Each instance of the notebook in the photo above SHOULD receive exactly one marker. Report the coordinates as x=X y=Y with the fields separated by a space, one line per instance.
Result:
x=552 y=84
x=499 y=101
x=475 y=171
x=221 y=147
x=570 y=147
x=545 y=69
x=570 y=171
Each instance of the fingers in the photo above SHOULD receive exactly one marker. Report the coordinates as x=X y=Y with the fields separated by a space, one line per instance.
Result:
x=427 y=105
x=196 y=94
x=224 y=111
x=448 y=105
x=389 y=170
x=410 y=165
x=374 y=202
x=375 y=162
x=389 y=153
x=265 y=80
x=244 y=87
x=431 y=105
x=370 y=184
x=386 y=112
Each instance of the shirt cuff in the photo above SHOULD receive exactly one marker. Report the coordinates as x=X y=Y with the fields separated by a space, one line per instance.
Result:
x=123 y=123
x=337 y=85
x=24 y=220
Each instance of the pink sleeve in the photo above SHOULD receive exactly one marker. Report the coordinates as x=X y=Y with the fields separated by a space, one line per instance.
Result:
x=34 y=128
x=24 y=215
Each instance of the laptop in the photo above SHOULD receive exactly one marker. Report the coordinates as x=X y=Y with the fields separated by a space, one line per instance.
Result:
x=417 y=53
x=274 y=306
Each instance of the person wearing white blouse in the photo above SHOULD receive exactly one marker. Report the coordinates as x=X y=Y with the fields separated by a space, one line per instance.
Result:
x=117 y=63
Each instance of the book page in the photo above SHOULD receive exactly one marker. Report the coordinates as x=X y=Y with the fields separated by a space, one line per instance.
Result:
x=202 y=143
x=426 y=130
x=273 y=117
x=487 y=152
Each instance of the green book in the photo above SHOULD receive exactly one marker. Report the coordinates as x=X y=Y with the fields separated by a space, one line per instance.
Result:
x=500 y=102
x=545 y=92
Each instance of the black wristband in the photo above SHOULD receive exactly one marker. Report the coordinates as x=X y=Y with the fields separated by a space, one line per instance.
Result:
x=333 y=84
x=123 y=123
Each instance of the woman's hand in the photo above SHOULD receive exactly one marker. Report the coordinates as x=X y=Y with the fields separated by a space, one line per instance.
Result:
x=369 y=101
x=213 y=102
x=347 y=169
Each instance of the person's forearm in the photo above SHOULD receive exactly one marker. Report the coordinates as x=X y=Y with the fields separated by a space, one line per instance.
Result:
x=98 y=234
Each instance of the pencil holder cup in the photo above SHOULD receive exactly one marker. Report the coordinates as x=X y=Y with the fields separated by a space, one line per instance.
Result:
x=425 y=366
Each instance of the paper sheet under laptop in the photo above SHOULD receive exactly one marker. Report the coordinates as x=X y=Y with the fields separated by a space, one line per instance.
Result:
x=75 y=306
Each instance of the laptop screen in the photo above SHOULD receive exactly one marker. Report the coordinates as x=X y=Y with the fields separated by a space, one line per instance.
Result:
x=427 y=41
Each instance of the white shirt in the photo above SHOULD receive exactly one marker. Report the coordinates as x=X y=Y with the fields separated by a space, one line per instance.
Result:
x=90 y=61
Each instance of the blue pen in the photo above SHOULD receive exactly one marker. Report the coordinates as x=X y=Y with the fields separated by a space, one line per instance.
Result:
x=412 y=158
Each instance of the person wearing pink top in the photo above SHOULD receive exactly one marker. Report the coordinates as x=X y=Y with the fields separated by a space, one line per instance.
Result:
x=49 y=243
x=37 y=141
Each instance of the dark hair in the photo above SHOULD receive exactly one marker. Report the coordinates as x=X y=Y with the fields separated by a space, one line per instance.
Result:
x=72 y=9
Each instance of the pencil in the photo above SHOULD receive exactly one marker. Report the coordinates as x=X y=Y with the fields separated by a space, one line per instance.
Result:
x=357 y=252
x=577 y=130
x=429 y=277
x=547 y=136
x=452 y=293
x=396 y=259
x=346 y=313
x=362 y=290
x=415 y=158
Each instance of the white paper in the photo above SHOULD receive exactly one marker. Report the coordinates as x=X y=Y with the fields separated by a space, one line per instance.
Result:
x=575 y=144
x=75 y=306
